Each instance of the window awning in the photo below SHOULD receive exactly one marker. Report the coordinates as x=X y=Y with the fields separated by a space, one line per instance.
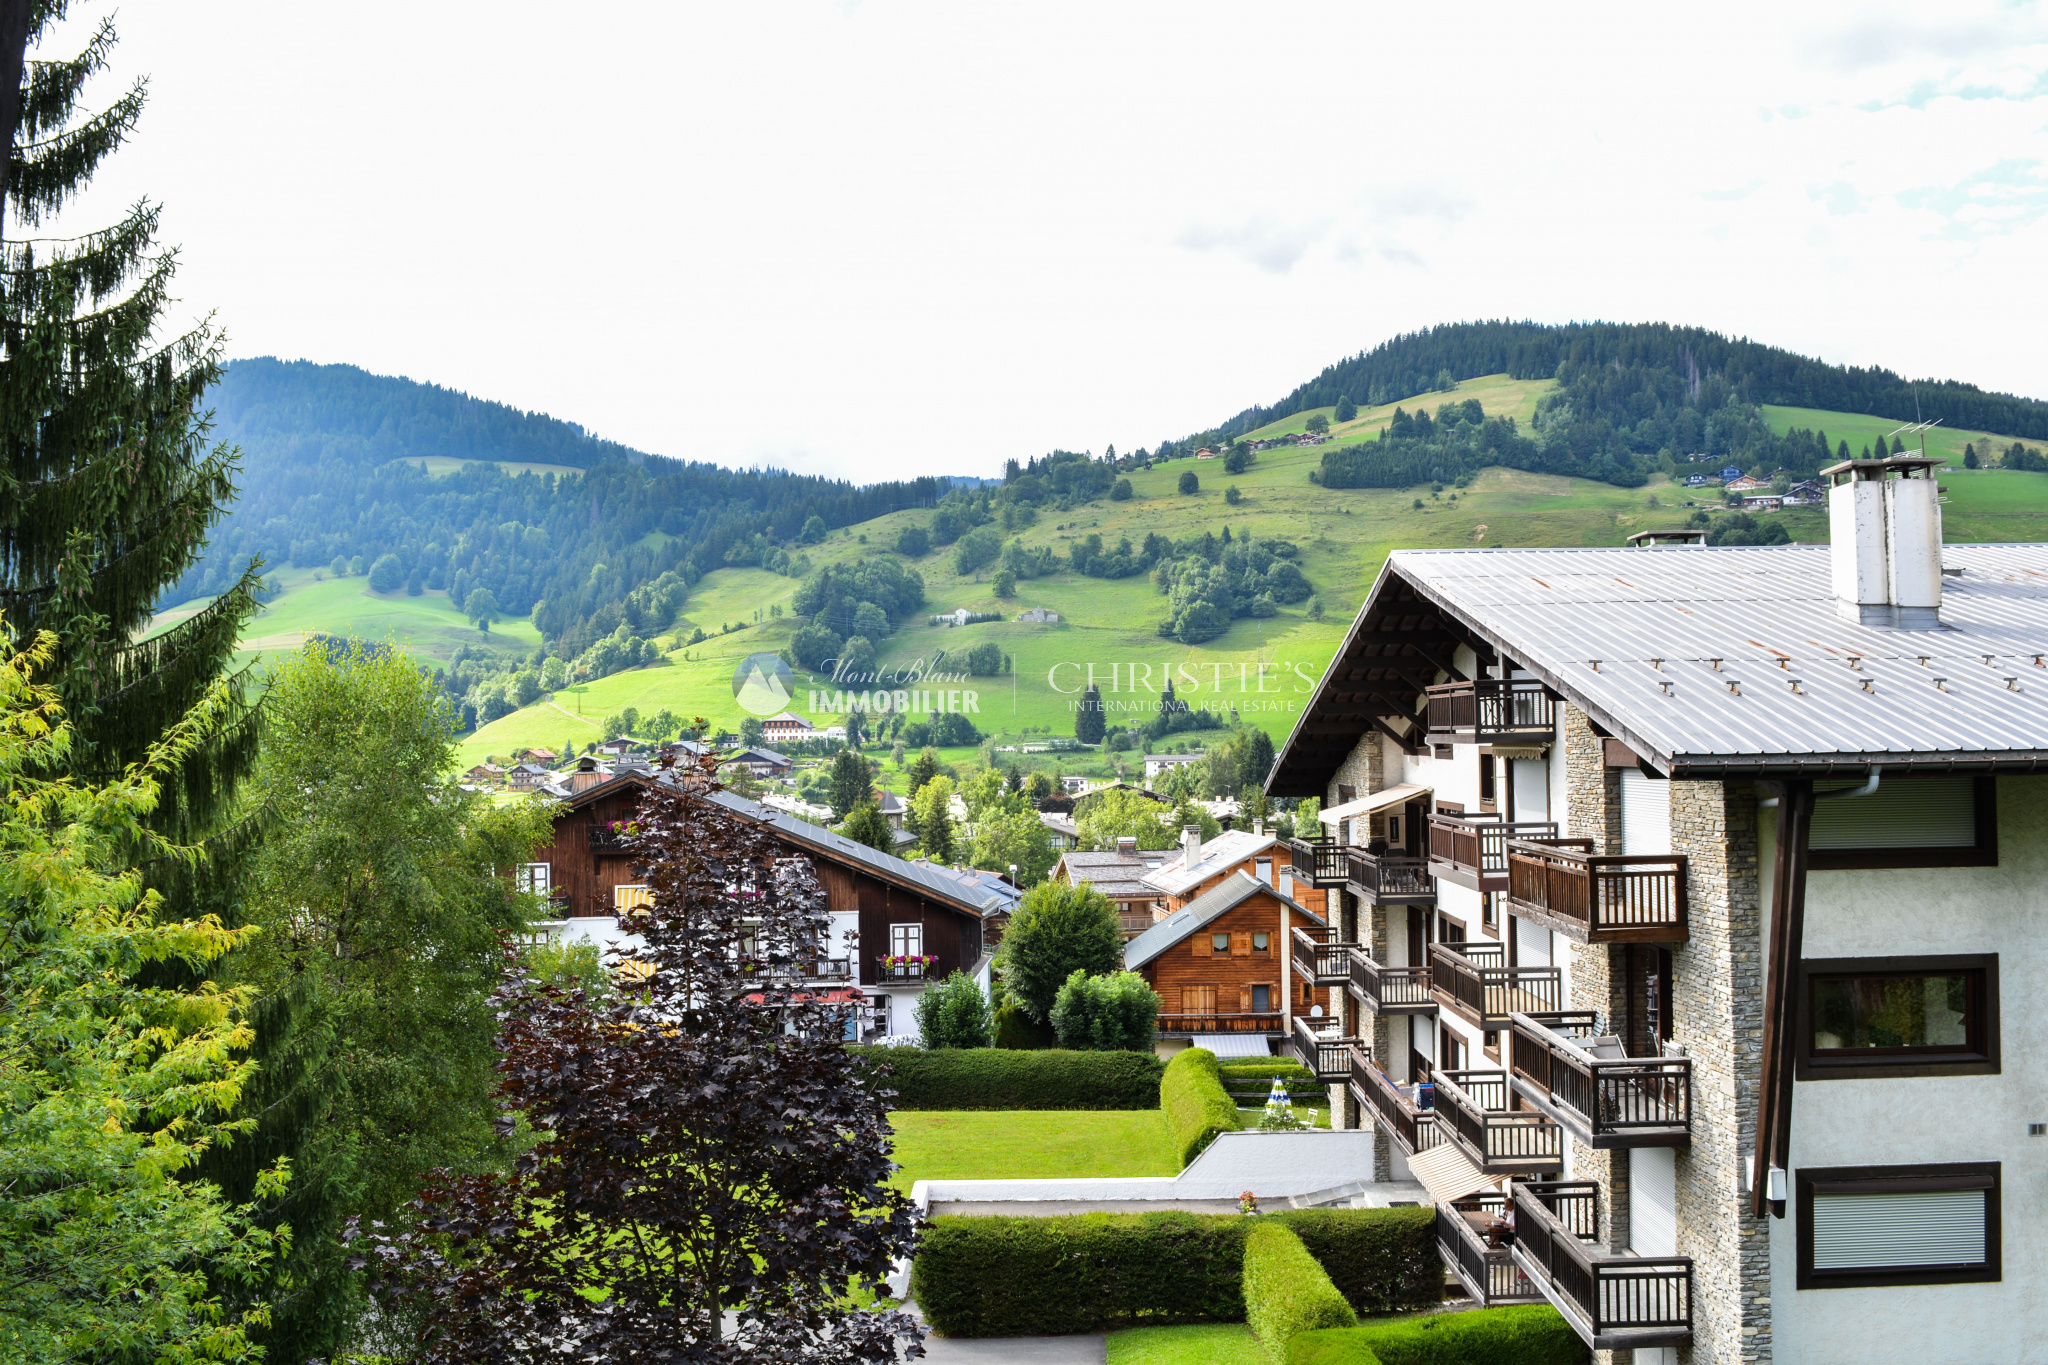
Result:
x=1447 y=1175
x=1379 y=800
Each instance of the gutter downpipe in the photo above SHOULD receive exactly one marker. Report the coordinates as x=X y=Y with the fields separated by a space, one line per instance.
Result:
x=1794 y=803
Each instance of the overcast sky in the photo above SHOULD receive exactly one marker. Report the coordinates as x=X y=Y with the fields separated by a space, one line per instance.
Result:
x=879 y=238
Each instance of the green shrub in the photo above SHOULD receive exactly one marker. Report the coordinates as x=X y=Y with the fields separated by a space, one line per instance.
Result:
x=954 y=1013
x=1005 y=1277
x=1115 y=1012
x=1529 y=1335
x=1387 y=1264
x=1265 y=1068
x=1002 y=1276
x=998 y=1078
x=1286 y=1291
x=1196 y=1107
x=1016 y=1029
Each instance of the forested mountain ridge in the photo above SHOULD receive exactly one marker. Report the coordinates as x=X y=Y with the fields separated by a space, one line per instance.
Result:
x=333 y=468
x=1630 y=398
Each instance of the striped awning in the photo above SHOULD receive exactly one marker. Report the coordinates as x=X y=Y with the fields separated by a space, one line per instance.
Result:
x=1447 y=1175
x=1379 y=800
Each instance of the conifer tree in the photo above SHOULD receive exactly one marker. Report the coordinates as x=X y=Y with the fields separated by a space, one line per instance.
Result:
x=1088 y=723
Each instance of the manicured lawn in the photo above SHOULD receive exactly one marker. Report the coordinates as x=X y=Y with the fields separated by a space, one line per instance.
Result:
x=1223 y=1344
x=1024 y=1144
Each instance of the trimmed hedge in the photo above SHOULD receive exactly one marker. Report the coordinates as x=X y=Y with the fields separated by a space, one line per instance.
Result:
x=1525 y=1335
x=1009 y=1276
x=1286 y=1292
x=1196 y=1107
x=1000 y=1078
x=1265 y=1068
x=1385 y=1264
x=1095 y=1272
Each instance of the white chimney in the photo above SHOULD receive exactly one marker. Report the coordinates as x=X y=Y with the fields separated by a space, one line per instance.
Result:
x=1884 y=524
x=1191 y=842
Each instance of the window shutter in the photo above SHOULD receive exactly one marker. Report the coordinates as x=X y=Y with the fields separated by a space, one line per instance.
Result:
x=1924 y=1228
x=1904 y=812
x=1244 y=999
x=1202 y=946
x=1241 y=944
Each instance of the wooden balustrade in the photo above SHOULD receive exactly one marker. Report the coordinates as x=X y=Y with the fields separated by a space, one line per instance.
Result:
x=1474 y=853
x=1472 y=979
x=1320 y=956
x=1387 y=877
x=1415 y=1129
x=1323 y=1048
x=1390 y=990
x=1597 y=898
x=1606 y=1101
x=1473 y=1107
x=1320 y=862
x=1187 y=1025
x=1490 y=711
x=1613 y=1302
x=1482 y=1261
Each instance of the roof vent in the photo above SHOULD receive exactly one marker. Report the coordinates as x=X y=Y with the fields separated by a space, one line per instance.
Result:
x=1884 y=525
x=1126 y=844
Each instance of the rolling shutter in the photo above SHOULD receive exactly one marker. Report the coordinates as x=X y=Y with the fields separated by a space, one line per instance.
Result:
x=1904 y=812
x=1652 y=1201
x=1645 y=813
x=1922 y=1228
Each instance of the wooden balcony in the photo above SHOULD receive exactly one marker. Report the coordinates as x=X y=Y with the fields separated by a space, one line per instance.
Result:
x=1605 y=1098
x=1321 y=957
x=1390 y=990
x=1563 y=885
x=1323 y=1049
x=1490 y=711
x=1474 y=853
x=1472 y=1110
x=1613 y=1302
x=828 y=969
x=1189 y=1025
x=1466 y=1239
x=1474 y=979
x=1319 y=862
x=1388 y=879
x=1414 y=1129
x=606 y=844
x=904 y=973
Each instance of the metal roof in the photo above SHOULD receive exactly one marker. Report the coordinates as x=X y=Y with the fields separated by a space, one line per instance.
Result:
x=1709 y=660
x=1231 y=846
x=1227 y=895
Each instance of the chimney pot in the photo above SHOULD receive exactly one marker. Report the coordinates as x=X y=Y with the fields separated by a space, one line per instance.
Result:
x=1884 y=529
x=1191 y=841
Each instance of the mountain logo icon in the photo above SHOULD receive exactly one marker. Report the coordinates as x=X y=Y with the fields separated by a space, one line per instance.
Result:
x=763 y=684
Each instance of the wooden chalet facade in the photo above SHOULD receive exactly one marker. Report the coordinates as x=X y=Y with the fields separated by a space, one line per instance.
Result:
x=1220 y=962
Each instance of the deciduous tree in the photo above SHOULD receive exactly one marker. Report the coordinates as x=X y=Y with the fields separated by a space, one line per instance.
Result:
x=1056 y=931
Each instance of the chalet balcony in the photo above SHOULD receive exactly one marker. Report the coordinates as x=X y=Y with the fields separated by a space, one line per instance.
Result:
x=1390 y=990
x=1474 y=853
x=1606 y=1098
x=1468 y=1238
x=905 y=971
x=1474 y=979
x=1589 y=898
x=826 y=969
x=1322 y=1048
x=1319 y=862
x=1614 y=1302
x=1392 y=1105
x=1192 y=1025
x=609 y=843
x=1490 y=711
x=1388 y=878
x=1321 y=957
x=1472 y=1110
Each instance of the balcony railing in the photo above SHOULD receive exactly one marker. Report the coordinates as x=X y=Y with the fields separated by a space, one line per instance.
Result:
x=1473 y=1107
x=804 y=969
x=1390 y=990
x=1474 y=853
x=1490 y=711
x=1383 y=877
x=1468 y=1237
x=1474 y=979
x=1612 y=1302
x=1605 y=1099
x=607 y=844
x=1564 y=885
x=889 y=973
x=1415 y=1129
x=1322 y=1047
x=1321 y=956
x=1188 y=1025
x=1319 y=862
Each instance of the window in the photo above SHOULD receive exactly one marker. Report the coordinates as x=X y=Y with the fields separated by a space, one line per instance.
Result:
x=1908 y=822
x=1261 y=942
x=1219 y=943
x=1879 y=1225
x=906 y=940
x=1262 y=1000
x=1393 y=831
x=1898 y=1016
x=533 y=877
x=1263 y=870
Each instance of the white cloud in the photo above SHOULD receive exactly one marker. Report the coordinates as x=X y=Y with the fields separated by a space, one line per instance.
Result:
x=905 y=236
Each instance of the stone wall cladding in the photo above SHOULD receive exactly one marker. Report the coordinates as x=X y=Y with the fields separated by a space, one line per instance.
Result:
x=1363 y=770
x=1717 y=1015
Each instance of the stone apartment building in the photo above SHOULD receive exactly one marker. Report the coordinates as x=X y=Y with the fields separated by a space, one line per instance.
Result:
x=1683 y=905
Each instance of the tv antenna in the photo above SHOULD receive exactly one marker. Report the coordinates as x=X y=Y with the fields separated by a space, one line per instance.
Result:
x=1919 y=429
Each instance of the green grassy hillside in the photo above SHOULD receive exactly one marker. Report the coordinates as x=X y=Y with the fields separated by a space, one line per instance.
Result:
x=1344 y=534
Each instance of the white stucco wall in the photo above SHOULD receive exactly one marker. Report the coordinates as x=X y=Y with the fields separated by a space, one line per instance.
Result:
x=2001 y=910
